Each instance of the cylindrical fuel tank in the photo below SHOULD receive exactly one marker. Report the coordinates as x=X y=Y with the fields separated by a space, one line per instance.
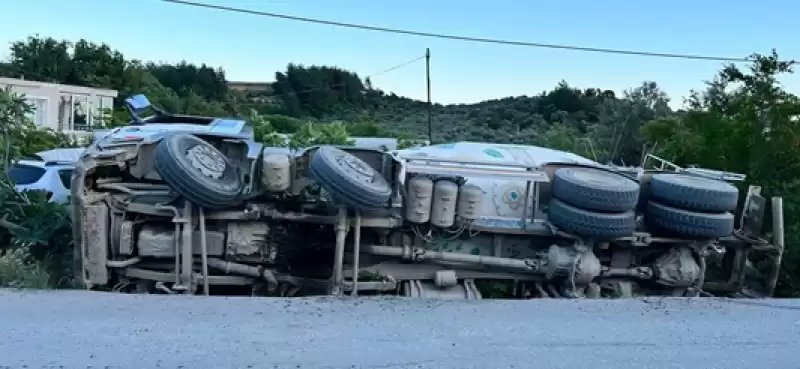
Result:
x=443 y=211
x=276 y=172
x=469 y=202
x=420 y=195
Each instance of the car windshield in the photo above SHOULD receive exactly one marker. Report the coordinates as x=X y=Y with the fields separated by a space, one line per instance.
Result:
x=25 y=174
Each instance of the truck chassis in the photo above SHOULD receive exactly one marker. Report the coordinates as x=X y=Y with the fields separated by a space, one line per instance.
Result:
x=191 y=212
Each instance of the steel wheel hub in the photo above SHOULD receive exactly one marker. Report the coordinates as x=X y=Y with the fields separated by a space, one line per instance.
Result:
x=358 y=166
x=207 y=161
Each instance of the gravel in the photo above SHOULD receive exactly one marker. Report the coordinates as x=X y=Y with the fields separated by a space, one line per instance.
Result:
x=77 y=329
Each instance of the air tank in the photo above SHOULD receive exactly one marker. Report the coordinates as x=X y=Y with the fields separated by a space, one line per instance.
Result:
x=276 y=174
x=469 y=202
x=443 y=211
x=420 y=195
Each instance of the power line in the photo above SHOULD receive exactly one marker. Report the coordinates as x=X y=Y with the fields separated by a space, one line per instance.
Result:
x=396 y=67
x=459 y=38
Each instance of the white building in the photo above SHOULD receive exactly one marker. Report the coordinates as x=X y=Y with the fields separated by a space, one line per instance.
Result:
x=63 y=108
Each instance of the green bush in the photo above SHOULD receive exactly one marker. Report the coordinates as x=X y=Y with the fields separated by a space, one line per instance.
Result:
x=36 y=233
x=19 y=270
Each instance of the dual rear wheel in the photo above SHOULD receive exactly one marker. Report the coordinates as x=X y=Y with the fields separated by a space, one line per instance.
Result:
x=597 y=203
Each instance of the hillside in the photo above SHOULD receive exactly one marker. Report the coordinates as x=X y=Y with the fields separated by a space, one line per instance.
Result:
x=560 y=118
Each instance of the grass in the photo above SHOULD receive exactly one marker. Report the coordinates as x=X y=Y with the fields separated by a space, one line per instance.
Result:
x=18 y=270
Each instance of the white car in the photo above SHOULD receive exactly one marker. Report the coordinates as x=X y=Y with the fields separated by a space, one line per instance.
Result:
x=51 y=176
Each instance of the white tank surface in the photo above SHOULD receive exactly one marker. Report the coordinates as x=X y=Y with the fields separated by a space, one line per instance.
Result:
x=469 y=202
x=276 y=174
x=420 y=196
x=445 y=195
x=501 y=197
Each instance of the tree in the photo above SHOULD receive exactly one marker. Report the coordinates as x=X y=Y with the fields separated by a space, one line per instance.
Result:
x=35 y=234
x=44 y=59
x=13 y=109
x=180 y=88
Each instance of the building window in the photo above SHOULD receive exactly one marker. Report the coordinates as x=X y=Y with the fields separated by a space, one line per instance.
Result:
x=80 y=113
x=102 y=112
x=38 y=113
x=65 y=113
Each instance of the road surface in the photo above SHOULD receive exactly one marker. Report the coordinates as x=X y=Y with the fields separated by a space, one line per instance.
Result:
x=77 y=329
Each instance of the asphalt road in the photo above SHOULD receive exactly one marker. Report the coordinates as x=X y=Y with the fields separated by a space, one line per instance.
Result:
x=103 y=330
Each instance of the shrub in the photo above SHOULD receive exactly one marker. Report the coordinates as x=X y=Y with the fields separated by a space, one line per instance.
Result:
x=19 y=270
x=35 y=232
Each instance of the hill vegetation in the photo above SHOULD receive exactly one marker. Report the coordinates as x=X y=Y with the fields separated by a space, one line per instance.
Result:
x=743 y=121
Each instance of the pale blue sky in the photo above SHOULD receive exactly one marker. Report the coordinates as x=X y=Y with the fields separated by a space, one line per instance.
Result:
x=252 y=47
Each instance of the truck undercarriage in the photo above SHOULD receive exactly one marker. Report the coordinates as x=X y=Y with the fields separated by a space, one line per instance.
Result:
x=191 y=212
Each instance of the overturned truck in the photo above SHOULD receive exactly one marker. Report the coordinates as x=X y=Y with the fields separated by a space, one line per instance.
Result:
x=187 y=204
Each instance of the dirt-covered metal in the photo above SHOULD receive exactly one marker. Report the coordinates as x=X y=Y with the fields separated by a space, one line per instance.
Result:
x=176 y=204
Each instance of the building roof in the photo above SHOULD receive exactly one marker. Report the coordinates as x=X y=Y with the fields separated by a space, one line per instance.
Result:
x=60 y=87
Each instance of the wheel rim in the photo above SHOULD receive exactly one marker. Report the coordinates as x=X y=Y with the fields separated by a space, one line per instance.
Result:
x=354 y=164
x=208 y=162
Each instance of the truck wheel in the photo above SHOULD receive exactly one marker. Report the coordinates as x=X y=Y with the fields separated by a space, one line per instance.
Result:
x=689 y=223
x=595 y=189
x=693 y=193
x=197 y=171
x=589 y=223
x=349 y=179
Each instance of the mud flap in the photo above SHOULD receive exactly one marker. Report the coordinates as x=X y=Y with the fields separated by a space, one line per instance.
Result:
x=95 y=244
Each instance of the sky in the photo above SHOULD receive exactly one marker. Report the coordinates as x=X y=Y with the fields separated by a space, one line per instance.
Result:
x=253 y=48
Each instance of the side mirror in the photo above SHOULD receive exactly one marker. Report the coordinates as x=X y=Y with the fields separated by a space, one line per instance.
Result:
x=137 y=104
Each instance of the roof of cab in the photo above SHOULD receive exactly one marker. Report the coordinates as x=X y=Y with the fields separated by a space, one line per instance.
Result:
x=232 y=128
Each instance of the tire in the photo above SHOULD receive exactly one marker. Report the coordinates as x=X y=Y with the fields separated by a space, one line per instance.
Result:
x=349 y=179
x=693 y=193
x=217 y=185
x=595 y=189
x=589 y=223
x=689 y=223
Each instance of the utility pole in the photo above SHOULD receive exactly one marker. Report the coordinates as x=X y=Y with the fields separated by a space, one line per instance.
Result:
x=428 y=79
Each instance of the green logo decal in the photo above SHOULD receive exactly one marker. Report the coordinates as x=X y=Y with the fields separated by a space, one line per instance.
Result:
x=493 y=153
